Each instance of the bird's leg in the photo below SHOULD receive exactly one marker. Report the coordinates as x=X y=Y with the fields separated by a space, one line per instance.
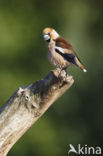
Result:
x=65 y=69
x=63 y=73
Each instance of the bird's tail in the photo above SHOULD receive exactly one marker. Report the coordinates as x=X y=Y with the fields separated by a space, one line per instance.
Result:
x=80 y=65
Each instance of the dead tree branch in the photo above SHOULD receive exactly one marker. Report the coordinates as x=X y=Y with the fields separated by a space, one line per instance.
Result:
x=26 y=106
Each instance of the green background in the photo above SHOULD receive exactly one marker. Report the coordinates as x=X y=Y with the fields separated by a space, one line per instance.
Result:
x=77 y=117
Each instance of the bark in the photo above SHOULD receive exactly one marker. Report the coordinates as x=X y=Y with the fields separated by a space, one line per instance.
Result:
x=26 y=106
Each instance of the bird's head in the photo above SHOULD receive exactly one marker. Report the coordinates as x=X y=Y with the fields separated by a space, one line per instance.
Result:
x=49 y=33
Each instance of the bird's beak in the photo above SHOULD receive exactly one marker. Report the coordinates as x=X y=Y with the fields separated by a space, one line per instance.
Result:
x=46 y=36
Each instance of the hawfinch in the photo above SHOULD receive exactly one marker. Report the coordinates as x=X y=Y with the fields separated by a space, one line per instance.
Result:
x=60 y=51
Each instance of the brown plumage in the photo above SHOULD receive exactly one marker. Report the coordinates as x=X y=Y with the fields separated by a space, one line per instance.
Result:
x=61 y=53
x=61 y=42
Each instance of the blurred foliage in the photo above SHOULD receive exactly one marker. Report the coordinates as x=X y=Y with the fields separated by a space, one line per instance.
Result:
x=76 y=117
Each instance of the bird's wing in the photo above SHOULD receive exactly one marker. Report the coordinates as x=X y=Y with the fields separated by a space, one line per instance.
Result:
x=67 y=56
x=64 y=48
x=65 y=45
x=61 y=42
x=71 y=58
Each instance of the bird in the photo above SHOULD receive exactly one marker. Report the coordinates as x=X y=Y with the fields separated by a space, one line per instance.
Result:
x=60 y=51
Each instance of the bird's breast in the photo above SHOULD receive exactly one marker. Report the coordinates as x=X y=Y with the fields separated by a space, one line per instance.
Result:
x=56 y=59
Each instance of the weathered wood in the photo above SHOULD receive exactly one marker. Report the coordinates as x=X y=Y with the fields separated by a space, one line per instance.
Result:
x=26 y=106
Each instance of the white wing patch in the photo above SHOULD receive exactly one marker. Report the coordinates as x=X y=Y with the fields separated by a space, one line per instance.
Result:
x=60 y=49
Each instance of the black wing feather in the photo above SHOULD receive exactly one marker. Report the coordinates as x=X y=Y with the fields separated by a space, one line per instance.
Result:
x=68 y=57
